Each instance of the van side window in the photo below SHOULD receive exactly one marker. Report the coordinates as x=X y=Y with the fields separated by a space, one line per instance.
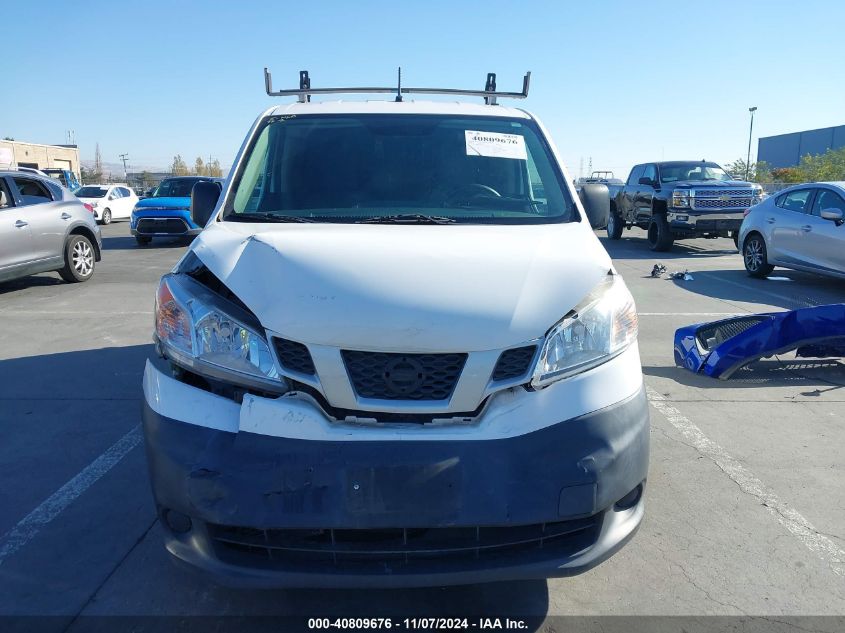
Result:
x=32 y=191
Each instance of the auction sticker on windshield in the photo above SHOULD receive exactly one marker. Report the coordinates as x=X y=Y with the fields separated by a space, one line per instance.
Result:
x=495 y=145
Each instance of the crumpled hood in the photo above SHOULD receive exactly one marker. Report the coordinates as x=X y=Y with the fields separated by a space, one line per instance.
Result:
x=409 y=288
x=164 y=203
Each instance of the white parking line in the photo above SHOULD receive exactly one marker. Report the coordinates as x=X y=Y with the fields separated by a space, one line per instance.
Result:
x=787 y=516
x=29 y=526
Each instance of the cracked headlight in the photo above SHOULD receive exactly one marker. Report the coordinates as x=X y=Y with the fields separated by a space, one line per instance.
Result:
x=602 y=326
x=209 y=335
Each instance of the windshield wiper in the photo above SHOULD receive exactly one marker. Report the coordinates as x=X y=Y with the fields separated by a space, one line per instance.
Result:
x=407 y=218
x=267 y=217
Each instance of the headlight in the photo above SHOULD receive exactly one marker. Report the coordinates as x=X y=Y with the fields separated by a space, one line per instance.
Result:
x=602 y=326
x=680 y=199
x=208 y=335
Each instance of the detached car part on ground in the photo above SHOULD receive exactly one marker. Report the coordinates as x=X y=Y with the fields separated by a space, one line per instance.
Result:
x=674 y=200
x=386 y=361
x=718 y=349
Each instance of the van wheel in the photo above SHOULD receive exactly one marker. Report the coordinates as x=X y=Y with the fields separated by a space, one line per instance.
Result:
x=755 y=257
x=79 y=259
x=143 y=240
x=107 y=216
x=615 y=225
x=659 y=236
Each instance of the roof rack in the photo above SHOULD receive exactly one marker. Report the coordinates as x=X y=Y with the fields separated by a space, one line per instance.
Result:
x=304 y=92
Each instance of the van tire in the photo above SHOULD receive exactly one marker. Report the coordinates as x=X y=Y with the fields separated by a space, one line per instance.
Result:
x=79 y=259
x=659 y=236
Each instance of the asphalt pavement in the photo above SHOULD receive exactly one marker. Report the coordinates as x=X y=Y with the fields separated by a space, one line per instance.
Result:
x=745 y=504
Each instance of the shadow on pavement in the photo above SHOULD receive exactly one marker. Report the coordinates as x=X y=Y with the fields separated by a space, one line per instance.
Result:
x=637 y=248
x=129 y=243
x=33 y=281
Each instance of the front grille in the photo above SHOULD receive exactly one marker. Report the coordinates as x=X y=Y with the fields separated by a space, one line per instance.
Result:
x=715 y=203
x=711 y=199
x=514 y=363
x=171 y=226
x=717 y=333
x=257 y=547
x=294 y=356
x=388 y=376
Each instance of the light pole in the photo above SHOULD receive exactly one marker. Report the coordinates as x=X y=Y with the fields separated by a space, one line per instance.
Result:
x=750 y=129
x=125 y=157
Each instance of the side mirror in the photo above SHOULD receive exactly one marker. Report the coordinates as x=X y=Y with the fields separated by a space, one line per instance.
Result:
x=596 y=200
x=204 y=198
x=834 y=215
x=645 y=180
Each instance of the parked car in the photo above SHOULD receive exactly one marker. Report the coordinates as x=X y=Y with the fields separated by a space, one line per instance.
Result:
x=110 y=202
x=44 y=227
x=386 y=361
x=802 y=227
x=166 y=213
x=675 y=200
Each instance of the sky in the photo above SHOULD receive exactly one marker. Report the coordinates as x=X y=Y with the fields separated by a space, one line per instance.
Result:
x=616 y=83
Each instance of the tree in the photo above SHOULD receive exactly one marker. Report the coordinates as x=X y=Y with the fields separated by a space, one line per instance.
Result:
x=146 y=179
x=8 y=138
x=90 y=175
x=213 y=169
x=179 y=167
x=199 y=167
x=737 y=169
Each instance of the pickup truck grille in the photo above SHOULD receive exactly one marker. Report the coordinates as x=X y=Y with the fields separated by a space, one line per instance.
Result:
x=721 y=199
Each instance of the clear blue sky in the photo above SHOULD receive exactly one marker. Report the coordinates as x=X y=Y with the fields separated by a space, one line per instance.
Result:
x=620 y=82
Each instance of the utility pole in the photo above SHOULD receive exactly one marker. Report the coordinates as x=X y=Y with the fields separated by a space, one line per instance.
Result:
x=751 y=127
x=124 y=158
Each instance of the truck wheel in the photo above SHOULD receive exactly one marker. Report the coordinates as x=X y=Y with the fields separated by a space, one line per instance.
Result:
x=614 y=225
x=107 y=216
x=659 y=236
x=79 y=259
x=755 y=257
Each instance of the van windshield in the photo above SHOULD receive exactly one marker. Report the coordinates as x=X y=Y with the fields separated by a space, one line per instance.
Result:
x=374 y=167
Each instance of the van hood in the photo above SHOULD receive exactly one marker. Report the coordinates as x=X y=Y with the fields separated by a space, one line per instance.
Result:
x=413 y=288
x=164 y=203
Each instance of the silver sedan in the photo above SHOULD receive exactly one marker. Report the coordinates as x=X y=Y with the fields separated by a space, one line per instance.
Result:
x=44 y=227
x=802 y=227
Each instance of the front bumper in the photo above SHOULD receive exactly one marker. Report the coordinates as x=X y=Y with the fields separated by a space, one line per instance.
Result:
x=686 y=222
x=162 y=224
x=276 y=511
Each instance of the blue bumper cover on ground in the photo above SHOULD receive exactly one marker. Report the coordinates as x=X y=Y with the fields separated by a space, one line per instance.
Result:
x=719 y=348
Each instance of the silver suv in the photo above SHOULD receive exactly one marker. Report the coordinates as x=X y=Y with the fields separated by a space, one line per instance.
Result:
x=43 y=228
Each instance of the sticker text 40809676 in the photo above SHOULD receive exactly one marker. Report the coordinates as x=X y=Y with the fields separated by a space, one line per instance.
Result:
x=495 y=145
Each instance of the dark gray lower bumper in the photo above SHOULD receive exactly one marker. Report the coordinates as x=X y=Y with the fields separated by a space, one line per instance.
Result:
x=241 y=491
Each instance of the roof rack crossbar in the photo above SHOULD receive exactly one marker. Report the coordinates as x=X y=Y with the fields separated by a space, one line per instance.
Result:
x=305 y=91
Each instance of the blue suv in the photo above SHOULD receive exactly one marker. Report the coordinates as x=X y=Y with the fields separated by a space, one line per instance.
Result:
x=167 y=213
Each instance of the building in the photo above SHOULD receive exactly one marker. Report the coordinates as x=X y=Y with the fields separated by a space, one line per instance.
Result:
x=44 y=156
x=786 y=150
